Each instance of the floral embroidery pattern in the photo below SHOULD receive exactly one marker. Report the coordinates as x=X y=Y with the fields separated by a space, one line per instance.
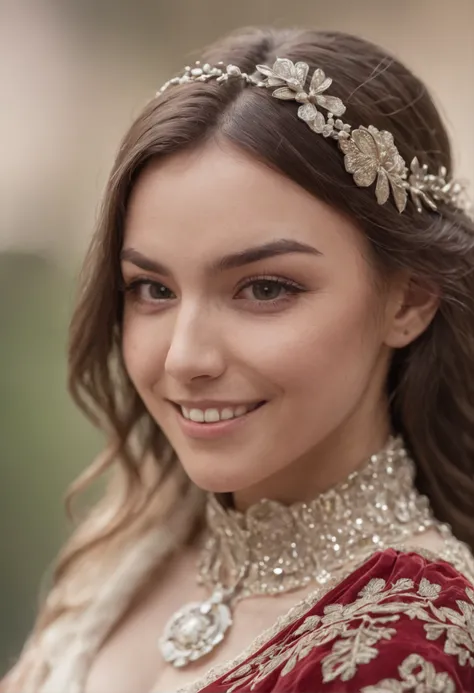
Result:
x=417 y=676
x=457 y=626
x=357 y=628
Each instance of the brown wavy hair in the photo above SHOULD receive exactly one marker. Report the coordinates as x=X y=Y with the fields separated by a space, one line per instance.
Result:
x=430 y=382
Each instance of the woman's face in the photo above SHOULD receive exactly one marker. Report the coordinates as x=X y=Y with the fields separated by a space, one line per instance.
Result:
x=245 y=291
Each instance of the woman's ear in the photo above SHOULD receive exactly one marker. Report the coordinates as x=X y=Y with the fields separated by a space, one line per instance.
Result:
x=410 y=310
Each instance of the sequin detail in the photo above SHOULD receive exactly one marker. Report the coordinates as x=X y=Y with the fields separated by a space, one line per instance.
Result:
x=273 y=548
x=287 y=547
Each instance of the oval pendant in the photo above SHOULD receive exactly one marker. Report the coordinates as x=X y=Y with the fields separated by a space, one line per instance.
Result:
x=195 y=630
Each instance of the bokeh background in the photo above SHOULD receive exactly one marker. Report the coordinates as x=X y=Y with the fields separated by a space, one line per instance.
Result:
x=74 y=74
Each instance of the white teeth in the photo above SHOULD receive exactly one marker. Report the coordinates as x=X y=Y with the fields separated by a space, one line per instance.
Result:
x=213 y=415
x=196 y=415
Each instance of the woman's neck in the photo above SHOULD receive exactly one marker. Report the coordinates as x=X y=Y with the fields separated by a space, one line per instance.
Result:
x=317 y=471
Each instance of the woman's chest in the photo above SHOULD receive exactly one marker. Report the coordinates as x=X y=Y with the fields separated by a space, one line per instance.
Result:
x=131 y=661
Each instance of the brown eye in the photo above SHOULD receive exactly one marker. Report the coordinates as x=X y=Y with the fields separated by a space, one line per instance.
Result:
x=266 y=290
x=145 y=290
x=157 y=291
x=269 y=290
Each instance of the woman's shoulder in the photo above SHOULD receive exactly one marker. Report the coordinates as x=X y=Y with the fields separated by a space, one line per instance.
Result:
x=402 y=619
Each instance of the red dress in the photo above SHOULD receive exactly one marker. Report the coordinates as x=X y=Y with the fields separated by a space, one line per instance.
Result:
x=400 y=622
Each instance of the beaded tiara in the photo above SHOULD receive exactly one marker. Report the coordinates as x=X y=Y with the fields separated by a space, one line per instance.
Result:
x=370 y=155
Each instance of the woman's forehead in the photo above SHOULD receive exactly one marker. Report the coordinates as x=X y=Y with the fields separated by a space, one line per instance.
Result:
x=224 y=201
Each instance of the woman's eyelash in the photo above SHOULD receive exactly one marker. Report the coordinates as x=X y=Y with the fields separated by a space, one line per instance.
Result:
x=283 y=284
x=287 y=284
x=134 y=286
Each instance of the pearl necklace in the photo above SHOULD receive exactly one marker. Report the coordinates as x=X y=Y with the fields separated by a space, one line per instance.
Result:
x=273 y=548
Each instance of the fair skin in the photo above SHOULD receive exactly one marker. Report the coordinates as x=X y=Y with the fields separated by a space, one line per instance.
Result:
x=318 y=358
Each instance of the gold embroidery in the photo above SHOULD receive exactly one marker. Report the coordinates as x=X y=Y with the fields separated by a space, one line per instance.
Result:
x=417 y=676
x=453 y=552
x=458 y=626
x=358 y=627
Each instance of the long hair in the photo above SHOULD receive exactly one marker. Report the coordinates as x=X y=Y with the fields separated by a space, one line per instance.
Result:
x=430 y=381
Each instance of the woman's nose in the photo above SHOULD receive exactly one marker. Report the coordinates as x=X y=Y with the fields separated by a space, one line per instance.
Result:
x=195 y=349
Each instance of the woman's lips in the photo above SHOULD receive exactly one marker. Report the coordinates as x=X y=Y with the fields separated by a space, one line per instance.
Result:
x=208 y=431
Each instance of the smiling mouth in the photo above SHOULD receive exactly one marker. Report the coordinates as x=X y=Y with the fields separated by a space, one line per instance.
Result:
x=212 y=417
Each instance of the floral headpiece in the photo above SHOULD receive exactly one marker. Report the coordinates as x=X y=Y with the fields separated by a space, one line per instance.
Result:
x=370 y=155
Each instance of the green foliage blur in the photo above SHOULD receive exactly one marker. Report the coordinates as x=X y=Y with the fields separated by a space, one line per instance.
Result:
x=44 y=440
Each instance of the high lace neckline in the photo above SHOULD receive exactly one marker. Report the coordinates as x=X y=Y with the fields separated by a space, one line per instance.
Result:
x=285 y=547
x=69 y=645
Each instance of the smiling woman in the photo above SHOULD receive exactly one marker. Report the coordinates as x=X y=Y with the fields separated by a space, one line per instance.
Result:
x=275 y=329
x=251 y=318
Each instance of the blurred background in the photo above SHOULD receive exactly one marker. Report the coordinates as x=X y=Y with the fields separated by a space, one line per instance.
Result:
x=74 y=74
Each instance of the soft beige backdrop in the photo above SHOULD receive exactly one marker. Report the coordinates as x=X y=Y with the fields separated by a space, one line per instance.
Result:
x=74 y=74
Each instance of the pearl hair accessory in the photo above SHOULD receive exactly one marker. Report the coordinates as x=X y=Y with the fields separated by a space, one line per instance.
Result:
x=370 y=155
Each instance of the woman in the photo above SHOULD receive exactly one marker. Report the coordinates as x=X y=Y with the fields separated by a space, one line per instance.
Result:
x=277 y=309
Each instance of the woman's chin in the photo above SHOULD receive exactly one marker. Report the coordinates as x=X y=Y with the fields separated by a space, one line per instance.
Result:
x=215 y=485
x=218 y=483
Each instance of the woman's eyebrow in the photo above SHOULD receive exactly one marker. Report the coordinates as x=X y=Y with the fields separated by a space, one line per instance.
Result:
x=282 y=246
x=145 y=263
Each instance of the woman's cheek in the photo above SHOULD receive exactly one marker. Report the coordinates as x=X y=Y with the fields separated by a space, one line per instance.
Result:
x=141 y=353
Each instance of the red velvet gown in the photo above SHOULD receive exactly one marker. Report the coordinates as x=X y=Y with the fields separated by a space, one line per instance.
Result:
x=400 y=622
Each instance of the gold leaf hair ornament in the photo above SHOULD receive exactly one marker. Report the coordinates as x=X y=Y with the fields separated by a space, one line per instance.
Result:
x=370 y=155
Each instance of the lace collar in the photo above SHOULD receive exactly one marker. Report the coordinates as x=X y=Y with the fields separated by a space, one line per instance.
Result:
x=285 y=547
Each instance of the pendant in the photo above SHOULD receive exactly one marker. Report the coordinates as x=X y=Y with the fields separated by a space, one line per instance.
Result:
x=195 y=630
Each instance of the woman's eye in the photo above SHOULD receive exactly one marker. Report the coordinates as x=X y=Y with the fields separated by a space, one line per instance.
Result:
x=145 y=290
x=258 y=291
x=269 y=290
x=266 y=290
